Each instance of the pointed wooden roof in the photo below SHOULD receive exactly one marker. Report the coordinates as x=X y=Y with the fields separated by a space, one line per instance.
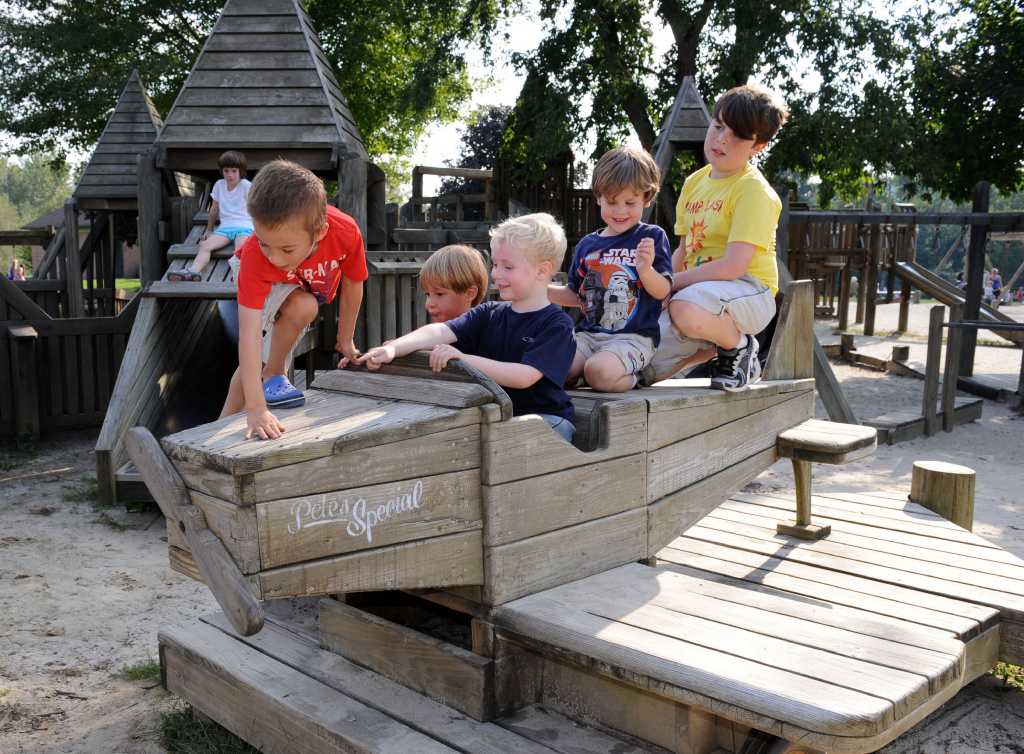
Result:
x=261 y=82
x=691 y=119
x=110 y=174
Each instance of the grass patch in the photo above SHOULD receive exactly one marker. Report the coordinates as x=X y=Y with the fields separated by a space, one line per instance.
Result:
x=183 y=733
x=128 y=284
x=86 y=491
x=148 y=670
x=13 y=457
x=1012 y=675
x=107 y=520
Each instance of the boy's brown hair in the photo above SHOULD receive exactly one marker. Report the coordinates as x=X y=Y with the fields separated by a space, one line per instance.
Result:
x=752 y=112
x=282 y=190
x=233 y=159
x=626 y=168
x=458 y=268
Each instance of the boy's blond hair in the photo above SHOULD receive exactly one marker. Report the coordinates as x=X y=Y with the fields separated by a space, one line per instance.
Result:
x=282 y=190
x=457 y=268
x=625 y=168
x=752 y=112
x=538 y=236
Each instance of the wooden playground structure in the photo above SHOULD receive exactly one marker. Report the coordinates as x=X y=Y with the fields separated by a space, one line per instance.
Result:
x=413 y=569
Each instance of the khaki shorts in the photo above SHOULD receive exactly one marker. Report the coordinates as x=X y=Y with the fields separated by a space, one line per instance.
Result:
x=748 y=301
x=634 y=351
x=271 y=308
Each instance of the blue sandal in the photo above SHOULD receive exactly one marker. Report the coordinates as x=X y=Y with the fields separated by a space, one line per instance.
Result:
x=280 y=393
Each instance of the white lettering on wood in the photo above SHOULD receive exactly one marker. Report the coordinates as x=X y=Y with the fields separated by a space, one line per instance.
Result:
x=359 y=516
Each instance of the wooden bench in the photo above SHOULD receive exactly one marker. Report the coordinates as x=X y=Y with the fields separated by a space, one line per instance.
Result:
x=817 y=441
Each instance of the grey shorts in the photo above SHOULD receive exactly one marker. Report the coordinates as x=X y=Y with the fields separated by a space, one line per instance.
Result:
x=748 y=301
x=634 y=351
x=275 y=299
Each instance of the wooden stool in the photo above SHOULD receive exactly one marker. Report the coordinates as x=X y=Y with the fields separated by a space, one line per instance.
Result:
x=946 y=489
x=817 y=441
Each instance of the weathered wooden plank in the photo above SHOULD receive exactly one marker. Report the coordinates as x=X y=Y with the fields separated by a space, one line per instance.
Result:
x=241 y=134
x=547 y=560
x=451 y=560
x=301 y=651
x=526 y=446
x=679 y=465
x=271 y=705
x=817 y=653
x=440 y=671
x=665 y=427
x=228 y=102
x=297 y=529
x=234 y=525
x=281 y=42
x=964 y=618
x=525 y=508
x=563 y=734
x=257 y=24
x=271 y=116
x=668 y=517
x=698 y=674
x=401 y=387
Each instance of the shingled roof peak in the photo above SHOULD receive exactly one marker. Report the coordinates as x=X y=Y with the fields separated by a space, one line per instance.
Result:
x=130 y=130
x=262 y=81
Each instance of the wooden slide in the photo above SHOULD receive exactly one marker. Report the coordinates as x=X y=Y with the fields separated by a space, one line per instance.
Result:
x=947 y=293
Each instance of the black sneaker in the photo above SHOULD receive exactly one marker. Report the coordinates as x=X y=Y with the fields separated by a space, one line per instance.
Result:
x=737 y=367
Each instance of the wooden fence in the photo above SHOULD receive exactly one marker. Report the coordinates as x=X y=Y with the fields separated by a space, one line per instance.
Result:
x=55 y=373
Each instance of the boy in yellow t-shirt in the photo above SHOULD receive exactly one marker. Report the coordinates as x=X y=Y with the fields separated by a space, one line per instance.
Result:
x=725 y=279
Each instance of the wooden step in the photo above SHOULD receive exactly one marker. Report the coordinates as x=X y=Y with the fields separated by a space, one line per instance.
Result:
x=900 y=426
x=842 y=681
x=282 y=693
x=188 y=251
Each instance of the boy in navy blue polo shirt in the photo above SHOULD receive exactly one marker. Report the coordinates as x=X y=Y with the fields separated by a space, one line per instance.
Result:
x=618 y=276
x=523 y=342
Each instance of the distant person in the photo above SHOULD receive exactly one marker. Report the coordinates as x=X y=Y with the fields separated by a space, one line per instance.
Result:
x=725 y=271
x=228 y=220
x=301 y=254
x=618 y=276
x=454 y=280
x=997 y=286
x=523 y=342
x=19 y=271
x=11 y=270
x=960 y=281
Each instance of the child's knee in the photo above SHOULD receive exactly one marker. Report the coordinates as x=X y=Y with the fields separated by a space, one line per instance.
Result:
x=300 y=307
x=686 y=317
x=603 y=369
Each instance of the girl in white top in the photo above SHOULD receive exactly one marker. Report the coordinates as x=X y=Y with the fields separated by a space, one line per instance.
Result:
x=228 y=213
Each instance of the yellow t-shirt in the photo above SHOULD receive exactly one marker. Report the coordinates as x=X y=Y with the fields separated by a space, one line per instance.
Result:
x=713 y=212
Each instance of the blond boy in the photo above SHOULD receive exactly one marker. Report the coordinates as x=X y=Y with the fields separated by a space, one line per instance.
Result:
x=454 y=280
x=522 y=342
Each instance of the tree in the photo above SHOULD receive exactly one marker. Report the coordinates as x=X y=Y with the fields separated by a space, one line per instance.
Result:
x=28 y=189
x=399 y=62
x=481 y=146
x=880 y=90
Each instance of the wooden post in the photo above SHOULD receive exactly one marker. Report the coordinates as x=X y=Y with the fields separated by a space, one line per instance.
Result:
x=782 y=229
x=25 y=399
x=901 y=354
x=861 y=296
x=871 y=279
x=844 y=296
x=151 y=196
x=377 y=236
x=946 y=489
x=1020 y=385
x=905 y=293
x=417 y=193
x=352 y=190
x=846 y=346
x=72 y=262
x=975 y=276
x=951 y=373
x=931 y=369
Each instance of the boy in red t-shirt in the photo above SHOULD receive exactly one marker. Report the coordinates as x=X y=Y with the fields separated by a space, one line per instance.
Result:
x=300 y=253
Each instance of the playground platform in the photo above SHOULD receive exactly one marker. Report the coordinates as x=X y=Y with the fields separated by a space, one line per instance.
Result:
x=839 y=645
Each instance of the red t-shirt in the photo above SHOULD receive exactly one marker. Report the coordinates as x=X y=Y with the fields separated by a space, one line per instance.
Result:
x=340 y=252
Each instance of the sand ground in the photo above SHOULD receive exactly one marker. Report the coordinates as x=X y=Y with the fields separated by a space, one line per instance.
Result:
x=83 y=590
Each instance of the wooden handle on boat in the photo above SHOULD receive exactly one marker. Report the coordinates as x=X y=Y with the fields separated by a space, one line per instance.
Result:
x=219 y=571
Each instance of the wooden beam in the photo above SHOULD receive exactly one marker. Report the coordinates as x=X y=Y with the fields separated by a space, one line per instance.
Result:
x=931 y=369
x=150 y=214
x=73 y=263
x=25 y=397
x=975 y=279
x=951 y=372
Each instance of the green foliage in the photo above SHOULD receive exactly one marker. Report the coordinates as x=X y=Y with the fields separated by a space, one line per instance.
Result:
x=29 y=188
x=148 y=670
x=1012 y=675
x=481 y=147
x=184 y=733
x=399 y=62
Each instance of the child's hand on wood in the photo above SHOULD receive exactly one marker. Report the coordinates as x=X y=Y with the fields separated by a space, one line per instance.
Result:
x=349 y=353
x=262 y=425
x=441 y=355
x=644 y=254
x=375 y=357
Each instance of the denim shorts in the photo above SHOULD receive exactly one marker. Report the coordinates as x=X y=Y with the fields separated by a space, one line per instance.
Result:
x=562 y=426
